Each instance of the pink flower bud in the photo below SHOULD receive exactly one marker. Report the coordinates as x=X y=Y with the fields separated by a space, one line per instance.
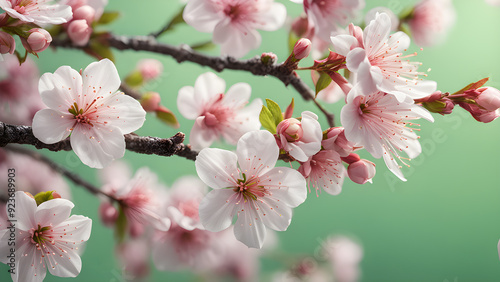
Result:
x=38 y=40
x=151 y=101
x=268 y=58
x=108 y=213
x=300 y=26
x=86 y=13
x=335 y=140
x=7 y=43
x=352 y=158
x=489 y=98
x=361 y=171
x=302 y=48
x=150 y=68
x=79 y=32
x=481 y=114
x=291 y=129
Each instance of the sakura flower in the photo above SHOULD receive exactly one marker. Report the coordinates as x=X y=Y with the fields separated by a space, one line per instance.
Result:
x=39 y=12
x=134 y=258
x=327 y=16
x=234 y=23
x=431 y=20
x=217 y=114
x=186 y=244
x=379 y=62
x=301 y=139
x=381 y=124
x=247 y=184
x=325 y=170
x=90 y=108
x=344 y=255
x=46 y=237
x=140 y=199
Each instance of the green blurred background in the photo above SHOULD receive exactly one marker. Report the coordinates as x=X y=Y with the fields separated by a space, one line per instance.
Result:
x=441 y=225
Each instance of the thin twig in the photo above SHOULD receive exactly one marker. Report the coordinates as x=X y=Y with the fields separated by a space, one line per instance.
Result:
x=185 y=53
x=166 y=147
x=61 y=170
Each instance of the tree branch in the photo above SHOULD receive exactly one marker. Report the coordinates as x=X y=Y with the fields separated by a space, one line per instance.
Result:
x=185 y=53
x=61 y=170
x=144 y=145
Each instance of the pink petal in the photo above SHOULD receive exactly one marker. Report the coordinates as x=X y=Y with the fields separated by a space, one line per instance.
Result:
x=217 y=168
x=51 y=126
x=201 y=136
x=217 y=209
x=187 y=104
x=272 y=18
x=202 y=15
x=257 y=152
x=236 y=41
x=166 y=257
x=237 y=96
x=342 y=43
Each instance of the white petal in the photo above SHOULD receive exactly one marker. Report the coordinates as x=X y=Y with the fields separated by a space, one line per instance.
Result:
x=342 y=43
x=376 y=33
x=296 y=151
x=393 y=166
x=25 y=211
x=236 y=41
x=53 y=212
x=275 y=214
x=237 y=95
x=206 y=87
x=202 y=15
x=69 y=265
x=51 y=126
x=400 y=40
x=272 y=18
x=122 y=112
x=80 y=227
x=188 y=105
x=257 y=152
x=52 y=14
x=101 y=77
x=287 y=185
x=355 y=58
x=32 y=265
x=217 y=209
x=217 y=168
x=97 y=147
x=311 y=128
x=60 y=90
x=249 y=228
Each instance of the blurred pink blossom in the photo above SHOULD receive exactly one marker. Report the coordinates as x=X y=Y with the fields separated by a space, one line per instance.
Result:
x=431 y=20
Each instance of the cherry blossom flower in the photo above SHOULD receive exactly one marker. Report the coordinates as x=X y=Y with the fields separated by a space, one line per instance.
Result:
x=431 y=20
x=39 y=12
x=234 y=23
x=141 y=198
x=19 y=97
x=134 y=258
x=217 y=114
x=382 y=125
x=379 y=62
x=344 y=255
x=248 y=185
x=324 y=171
x=186 y=244
x=90 y=108
x=46 y=237
x=301 y=139
x=330 y=15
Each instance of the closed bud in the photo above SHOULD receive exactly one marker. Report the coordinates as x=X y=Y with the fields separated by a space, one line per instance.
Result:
x=361 y=171
x=150 y=101
x=489 y=98
x=7 y=43
x=86 y=13
x=108 y=213
x=334 y=139
x=150 y=69
x=79 y=32
x=38 y=40
x=290 y=128
x=302 y=48
x=268 y=58
x=300 y=26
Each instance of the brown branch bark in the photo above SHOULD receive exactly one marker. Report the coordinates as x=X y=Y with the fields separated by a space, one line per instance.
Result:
x=185 y=53
x=12 y=134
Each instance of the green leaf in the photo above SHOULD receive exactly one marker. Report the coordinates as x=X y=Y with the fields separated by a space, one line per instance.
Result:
x=323 y=82
x=275 y=110
x=43 y=197
x=121 y=225
x=474 y=85
x=134 y=79
x=267 y=120
x=168 y=117
x=292 y=39
x=108 y=17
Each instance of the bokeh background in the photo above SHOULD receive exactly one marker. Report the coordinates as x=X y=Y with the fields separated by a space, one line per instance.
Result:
x=441 y=225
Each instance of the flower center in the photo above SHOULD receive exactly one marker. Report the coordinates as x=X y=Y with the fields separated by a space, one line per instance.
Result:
x=250 y=188
x=20 y=6
x=79 y=115
x=41 y=235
